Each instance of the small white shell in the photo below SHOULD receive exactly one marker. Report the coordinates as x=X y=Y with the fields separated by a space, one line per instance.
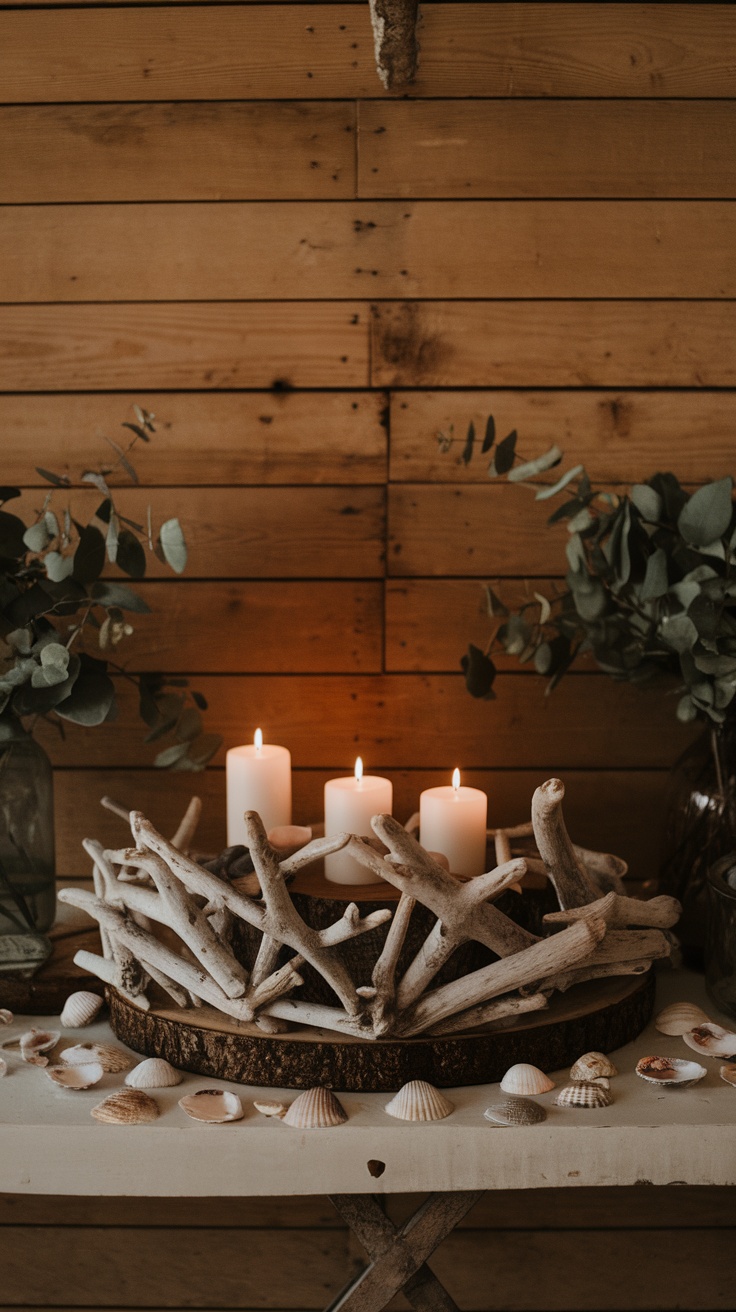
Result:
x=584 y=1094
x=591 y=1065
x=680 y=1017
x=516 y=1111
x=112 y=1059
x=711 y=1040
x=212 y=1106
x=126 y=1107
x=6 y=1017
x=34 y=1043
x=523 y=1080
x=316 y=1109
x=153 y=1073
x=728 y=1073
x=419 y=1101
x=3 y=1067
x=80 y=1009
x=268 y=1108
x=76 y=1077
x=670 y=1072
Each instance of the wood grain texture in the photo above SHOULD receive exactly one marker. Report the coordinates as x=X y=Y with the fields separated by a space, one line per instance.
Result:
x=544 y=344
x=204 y=438
x=231 y=51
x=532 y=148
x=190 y=151
x=103 y=347
x=620 y=437
x=280 y=251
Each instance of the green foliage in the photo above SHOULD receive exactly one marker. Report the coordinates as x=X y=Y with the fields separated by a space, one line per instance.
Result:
x=60 y=619
x=650 y=583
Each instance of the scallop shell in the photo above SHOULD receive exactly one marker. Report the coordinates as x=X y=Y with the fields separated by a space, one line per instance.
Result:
x=154 y=1073
x=112 y=1059
x=516 y=1111
x=6 y=1017
x=670 y=1072
x=126 y=1107
x=270 y=1108
x=76 y=1077
x=711 y=1040
x=680 y=1017
x=34 y=1043
x=212 y=1106
x=584 y=1094
x=523 y=1080
x=419 y=1101
x=590 y=1066
x=728 y=1073
x=315 y=1110
x=80 y=1009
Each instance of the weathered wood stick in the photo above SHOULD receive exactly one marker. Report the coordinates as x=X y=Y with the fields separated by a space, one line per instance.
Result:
x=573 y=886
x=384 y=971
x=321 y=1017
x=623 y=912
x=111 y=805
x=109 y=972
x=177 y=994
x=184 y=835
x=319 y=847
x=502 y=847
x=352 y=924
x=266 y=958
x=280 y=982
x=497 y=1009
x=561 y=983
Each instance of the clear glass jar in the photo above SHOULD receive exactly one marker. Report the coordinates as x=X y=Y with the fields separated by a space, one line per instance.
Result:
x=27 y=865
x=720 y=955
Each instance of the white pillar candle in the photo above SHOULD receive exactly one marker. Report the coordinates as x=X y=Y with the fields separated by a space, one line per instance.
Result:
x=453 y=821
x=350 y=803
x=258 y=779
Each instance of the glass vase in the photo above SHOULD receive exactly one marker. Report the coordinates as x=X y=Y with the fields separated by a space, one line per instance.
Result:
x=27 y=867
x=720 y=956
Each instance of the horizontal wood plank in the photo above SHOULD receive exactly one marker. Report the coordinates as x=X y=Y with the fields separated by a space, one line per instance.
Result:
x=99 y=347
x=280 y=251
x=619 y=811
x=405 y=720
x=620 y=437
x=268 y=532
x=203 y=438
x=546 y=344
x=532 y=148
x=226 y=52
x=159 y=152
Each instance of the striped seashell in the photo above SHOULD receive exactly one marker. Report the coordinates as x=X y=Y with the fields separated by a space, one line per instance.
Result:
x=680 y=1017
x=112 y=1059
x=419 y=1101
x=728 y=1073
x=711 y=1040
x=35 y=1043
x=670 y=1072
x=126 y=1107
x=6 y=1017
x=270 y=1108
x=315 y=1110
x=516 y=1111
x=153 y=1073
x=212 y=1106
x=80 y=1009
x=76 y=1077
x=591 y=1065
x=523 y=1080
x=584 y=1094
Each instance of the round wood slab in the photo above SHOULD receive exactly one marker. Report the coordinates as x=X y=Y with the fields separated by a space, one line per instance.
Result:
x=601 y=1015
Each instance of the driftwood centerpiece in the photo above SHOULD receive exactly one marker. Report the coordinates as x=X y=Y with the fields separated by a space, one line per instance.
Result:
x=167 y=923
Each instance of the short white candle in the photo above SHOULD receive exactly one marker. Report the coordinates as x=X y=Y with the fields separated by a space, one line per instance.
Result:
x=258 y=779
x=453 y=821
x=350 y=803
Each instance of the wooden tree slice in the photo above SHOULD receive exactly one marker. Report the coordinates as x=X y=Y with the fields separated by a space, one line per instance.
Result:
x=601 y=1015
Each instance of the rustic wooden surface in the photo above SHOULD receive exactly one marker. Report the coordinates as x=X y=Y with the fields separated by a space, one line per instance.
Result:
x=47 y=990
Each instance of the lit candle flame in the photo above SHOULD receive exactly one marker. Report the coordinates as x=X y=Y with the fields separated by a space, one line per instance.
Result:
x=359 y=770
x=258 y=739
x=456 y=780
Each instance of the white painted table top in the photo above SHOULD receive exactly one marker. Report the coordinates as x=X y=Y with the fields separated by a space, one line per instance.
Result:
x=49 y=1144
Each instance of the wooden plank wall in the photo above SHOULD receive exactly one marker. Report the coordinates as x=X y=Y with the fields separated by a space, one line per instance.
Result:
x=215 y=210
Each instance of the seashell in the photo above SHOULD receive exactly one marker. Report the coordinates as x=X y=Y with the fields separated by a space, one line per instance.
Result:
x=728 y=1073
x=516 y=1111
x=315 y=1110
x=680 y=1017
x=583 y=1093
x=603 y=1080
x=80 y=1009
x=34 y=1043
x=76 y=1077
x=112 y=1059
x=590 y=1066
x=154 y=1073
x=523 y=1079
x=670 y=1072
x=126 y=1107
x=419 y=1101
x=289 y=837
x=6 y=1017
x=213 y=1106
x=3 y=1067
x=712 y=1040
x=270 y=1108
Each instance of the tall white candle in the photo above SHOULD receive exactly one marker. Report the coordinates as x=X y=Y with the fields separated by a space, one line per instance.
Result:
x=453 y=821
x=258 y=779
x=350 y=803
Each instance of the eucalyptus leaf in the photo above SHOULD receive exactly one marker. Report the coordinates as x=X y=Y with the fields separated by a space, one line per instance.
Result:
x=489 y=436
x=12 y=530
x=89 y=557
x=545 y=609
x=686 y=591
x=189 y=725
x=655 y=579
x=467 y=454
x=515 y=635
x=204 y=748
x=58 y=567
x=686 y=709
x=118 y=594
x=91 y=698
x=131 y=555
x=679 y=632
x=533 y=467
x=647 y=501
x=170 y=755
x=503 y=459
x=707 y=513
x=173 y=545
x=494 y=604
x=37 y=537
x=545 y=493
x=479 y=671
x=57 y=480
x=112 y=539
x=9 y=493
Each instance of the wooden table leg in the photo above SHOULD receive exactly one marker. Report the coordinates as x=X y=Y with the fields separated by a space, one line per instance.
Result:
x=399 y=1253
